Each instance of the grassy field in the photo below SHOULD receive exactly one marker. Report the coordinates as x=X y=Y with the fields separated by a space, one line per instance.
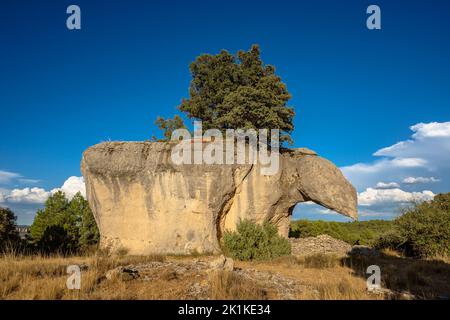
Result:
x=315 y=277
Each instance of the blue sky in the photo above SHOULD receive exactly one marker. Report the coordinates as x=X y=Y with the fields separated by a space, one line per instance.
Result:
x=355 y=91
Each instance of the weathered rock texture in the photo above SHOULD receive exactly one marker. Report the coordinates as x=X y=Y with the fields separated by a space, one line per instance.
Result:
x=146 y=204
x=322 y=244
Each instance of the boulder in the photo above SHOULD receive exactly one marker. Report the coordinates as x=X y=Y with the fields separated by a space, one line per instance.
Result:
x=222 y=263
x=145 y=203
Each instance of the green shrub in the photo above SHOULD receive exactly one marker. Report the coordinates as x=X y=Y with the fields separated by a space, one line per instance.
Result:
x=423 y=230
x=390 y=240
x=426 y=228
x=255 y=242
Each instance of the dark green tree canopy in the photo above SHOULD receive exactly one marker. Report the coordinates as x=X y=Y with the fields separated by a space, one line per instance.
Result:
x=168 y=126
x=8 y=232
x=64 y=225
x=230 y=92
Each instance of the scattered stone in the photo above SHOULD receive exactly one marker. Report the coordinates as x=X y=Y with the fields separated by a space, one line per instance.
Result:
x=122 y=273
x=198 y=290
x=392 y=295
x=386 y=293
x=286 y=288
x=222 y=263
x=321 y=244
x=83 y=267
x=198 y=271
x=405 y=295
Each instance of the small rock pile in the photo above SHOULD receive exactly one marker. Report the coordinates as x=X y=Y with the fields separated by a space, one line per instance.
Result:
x=321 y=244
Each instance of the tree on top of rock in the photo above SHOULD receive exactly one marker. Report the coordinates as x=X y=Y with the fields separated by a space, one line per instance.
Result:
x=168 y=126
x=231 y=92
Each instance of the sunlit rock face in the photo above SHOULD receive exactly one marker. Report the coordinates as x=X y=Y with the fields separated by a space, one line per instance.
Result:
x=145 y=204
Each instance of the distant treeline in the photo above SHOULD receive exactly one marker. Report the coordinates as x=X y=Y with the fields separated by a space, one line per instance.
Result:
x=357 y=232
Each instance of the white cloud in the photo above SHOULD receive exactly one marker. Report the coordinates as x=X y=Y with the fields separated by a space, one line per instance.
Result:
x=71 y=186
x=416 y=180
x=398 y=175
x=371 y=196
x=388 y=185
x=326 y=211
x=426 y=153
x=375 y=214
x=430 y=142
x=432 y=129
x=27 y=195
x=29 y=181
x=6 y=177
x=408 y=162
x=39 y=195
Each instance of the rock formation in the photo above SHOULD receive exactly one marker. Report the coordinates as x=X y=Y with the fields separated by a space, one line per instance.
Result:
x=145 y=204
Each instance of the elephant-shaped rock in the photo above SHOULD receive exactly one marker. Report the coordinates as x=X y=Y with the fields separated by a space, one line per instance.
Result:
x=146 y=204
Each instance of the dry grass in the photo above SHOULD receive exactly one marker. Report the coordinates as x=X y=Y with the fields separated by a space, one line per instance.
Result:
x=323 y=277
x=319 y=277
x=321 y=261
x=230 y=286
x=40 y=277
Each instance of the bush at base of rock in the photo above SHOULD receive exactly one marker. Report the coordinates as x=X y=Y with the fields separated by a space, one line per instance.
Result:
x=255 y=242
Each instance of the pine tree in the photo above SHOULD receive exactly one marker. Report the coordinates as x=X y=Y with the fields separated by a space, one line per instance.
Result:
x=64 y=225
x=168 y=126
x=239 y=91
x=89 y=233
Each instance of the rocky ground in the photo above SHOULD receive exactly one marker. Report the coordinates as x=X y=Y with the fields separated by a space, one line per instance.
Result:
x=319 y=268
x=201 y=269
x=323 y=244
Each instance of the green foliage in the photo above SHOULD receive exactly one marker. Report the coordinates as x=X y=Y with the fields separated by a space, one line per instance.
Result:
x=239 y=91
x=64 y=226
x=425 y=228
x=8 y=232
x=255 y=242
x=168 y=126
x=390 y=240
x=89 y=234
x=357 y=232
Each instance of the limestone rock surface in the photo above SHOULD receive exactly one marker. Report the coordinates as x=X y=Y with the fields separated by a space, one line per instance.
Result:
x=145 y=204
